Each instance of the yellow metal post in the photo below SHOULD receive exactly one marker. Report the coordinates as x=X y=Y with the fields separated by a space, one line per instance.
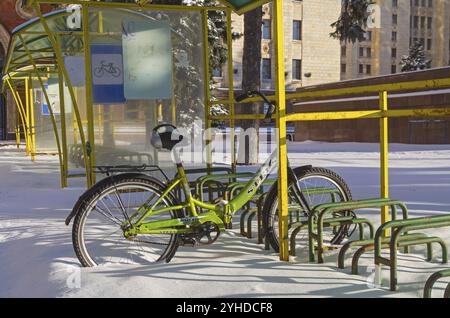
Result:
x=21 y=118
x=65 y=163
x=280 y=100
x=60 y=62
x=384 y=176
x=173 y=108
x=47 y=99
x=89 y=98
x=27 y=116
x=155 y=123
x=17 y=133
x=231 y=90
x=32 y=128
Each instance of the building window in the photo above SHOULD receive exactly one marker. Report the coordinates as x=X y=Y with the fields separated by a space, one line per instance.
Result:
x=416 y=3
x=422 y=23
x=343 y=68
x=394 y=3
x=394 y=19
x=296 y=69
x=368 y=36
x=430 y=3
x=394 y=36
x=429 y=23
x=424 y=3
x=369 y=52
x=266 y=32
x=369 y=69
x=429 y=44
x=266 y=69
x=343 y=51
x=394 y=52
x=361 y=69
x=393 y=68
x=297 y=30
x=361 y=52
x=416 y=22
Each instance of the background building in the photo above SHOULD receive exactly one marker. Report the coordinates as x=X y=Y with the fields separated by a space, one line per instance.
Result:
x=11 y=15
x=308 y=47
x=402 y=22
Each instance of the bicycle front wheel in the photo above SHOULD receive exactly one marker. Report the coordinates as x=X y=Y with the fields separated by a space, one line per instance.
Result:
x=98 y=229
x=319 y=186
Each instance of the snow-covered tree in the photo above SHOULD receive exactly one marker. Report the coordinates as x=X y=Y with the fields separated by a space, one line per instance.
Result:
x=352 y=23
x=416 y=59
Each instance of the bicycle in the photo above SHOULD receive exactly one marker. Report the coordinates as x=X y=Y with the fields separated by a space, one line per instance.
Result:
x=108 y=68
x=135 y=218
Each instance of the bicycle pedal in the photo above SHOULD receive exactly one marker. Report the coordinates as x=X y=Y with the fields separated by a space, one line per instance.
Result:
x=187 y=241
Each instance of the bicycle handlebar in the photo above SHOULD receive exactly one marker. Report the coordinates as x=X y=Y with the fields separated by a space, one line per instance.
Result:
x=250 y=94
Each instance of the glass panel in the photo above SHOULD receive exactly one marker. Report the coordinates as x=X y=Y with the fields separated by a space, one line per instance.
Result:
x=44 y=132
x=147 y=69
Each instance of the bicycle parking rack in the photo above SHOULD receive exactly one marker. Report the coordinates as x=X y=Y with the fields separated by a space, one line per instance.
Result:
x=433 y=279
x=331 y=223
x=402 y=241
x=249 y=212
x=401 y=238
x=360 y=243
x=316 y=220
x=334 y=222
x=398 y=227
x=105 y=154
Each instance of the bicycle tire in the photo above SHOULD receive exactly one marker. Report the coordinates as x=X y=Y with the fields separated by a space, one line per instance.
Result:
x=272 y=200
x=84 y=206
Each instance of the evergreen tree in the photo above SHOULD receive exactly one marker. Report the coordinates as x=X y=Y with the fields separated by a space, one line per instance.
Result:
x=188 y=73
x=351 y=25
x=251 y=80
x=416 y=59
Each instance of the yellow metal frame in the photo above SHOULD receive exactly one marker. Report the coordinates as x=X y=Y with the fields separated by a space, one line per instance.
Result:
x=382 y=114
x=280 y=117
x=52 y=115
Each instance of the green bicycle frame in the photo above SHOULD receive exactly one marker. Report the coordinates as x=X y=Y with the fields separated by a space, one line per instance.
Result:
x=218 y=214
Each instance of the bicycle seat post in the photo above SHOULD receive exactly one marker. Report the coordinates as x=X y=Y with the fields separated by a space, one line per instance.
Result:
x=176 y=157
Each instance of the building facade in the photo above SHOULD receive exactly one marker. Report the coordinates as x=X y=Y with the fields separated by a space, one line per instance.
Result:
x=11 y=15
x=311 y=56
x=397 y=25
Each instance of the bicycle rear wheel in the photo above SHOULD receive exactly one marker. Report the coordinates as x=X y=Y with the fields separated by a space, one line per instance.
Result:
x=319 y=186
x=98 y=228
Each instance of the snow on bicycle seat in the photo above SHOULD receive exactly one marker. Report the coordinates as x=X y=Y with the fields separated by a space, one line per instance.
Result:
x=166 y=137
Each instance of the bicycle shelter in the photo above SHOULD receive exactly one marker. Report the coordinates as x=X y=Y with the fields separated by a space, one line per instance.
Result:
x=98 y=67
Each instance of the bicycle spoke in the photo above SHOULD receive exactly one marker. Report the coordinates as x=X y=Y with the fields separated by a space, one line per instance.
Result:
x=102 y=235
x=110 y=217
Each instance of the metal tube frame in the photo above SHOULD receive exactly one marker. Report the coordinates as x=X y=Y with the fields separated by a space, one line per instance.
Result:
x=280 y=98
x=52 y=115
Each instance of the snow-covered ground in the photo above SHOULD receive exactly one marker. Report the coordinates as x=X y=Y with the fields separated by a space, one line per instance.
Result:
x=36 y=256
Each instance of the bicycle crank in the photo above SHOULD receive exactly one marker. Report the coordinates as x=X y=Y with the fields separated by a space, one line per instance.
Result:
x=208 y=233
